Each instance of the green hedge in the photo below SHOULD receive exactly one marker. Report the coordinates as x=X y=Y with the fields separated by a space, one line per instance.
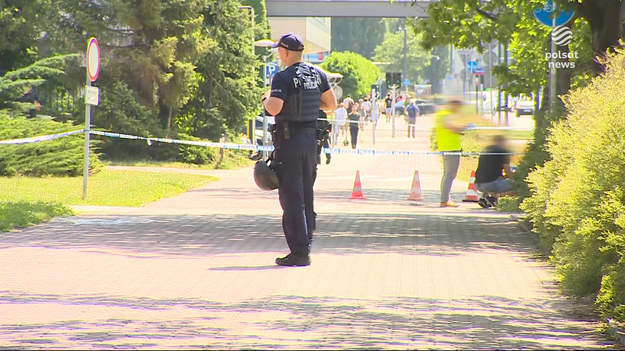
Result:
x=63 y=156
x=577 y=202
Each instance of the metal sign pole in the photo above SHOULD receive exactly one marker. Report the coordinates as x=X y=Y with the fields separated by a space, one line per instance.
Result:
x=393 y=87
x=85 y=171
x=490 y=76
x=552 y=71
x=92 y=72
x=262 y=111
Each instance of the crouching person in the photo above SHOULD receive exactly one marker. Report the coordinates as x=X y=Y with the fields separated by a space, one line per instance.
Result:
x=493 y=173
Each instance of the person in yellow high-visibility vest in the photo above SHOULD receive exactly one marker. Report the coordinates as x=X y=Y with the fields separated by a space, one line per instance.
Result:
x=448 y=140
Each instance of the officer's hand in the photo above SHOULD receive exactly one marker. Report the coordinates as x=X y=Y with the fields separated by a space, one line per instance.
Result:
x=266 y=94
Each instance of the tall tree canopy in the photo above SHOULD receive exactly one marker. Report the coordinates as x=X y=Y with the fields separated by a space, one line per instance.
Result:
x=391 y=52
x=468 y=24
x=19 y=31
x=167 y=66
x=226 y=93
x=359 y=35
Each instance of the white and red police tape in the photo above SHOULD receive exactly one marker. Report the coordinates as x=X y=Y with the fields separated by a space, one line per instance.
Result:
x=249 y=147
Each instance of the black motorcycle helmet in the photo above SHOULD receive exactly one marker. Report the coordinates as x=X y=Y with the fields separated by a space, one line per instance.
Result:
x=265 y=177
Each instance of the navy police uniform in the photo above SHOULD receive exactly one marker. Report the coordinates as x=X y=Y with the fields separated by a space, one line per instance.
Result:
x=295 y=160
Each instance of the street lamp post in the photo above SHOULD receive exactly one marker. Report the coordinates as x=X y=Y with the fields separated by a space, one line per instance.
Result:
x=253 y=21
x=263 y=43
x=251 y=10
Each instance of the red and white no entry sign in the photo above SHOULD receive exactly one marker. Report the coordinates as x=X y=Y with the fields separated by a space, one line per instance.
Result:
x=93 y=59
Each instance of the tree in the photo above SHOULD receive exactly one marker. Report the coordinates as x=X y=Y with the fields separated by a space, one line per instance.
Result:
x=391 y=51
x=14 y=83
x=358 y=72
x=359 y=35
x=471 y=24
x=173 y=64
x=19 y=30
x=261 y=26
x=226 y=94
x=436 y=70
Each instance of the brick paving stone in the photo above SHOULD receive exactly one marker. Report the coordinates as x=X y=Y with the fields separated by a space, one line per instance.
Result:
x=197 y=271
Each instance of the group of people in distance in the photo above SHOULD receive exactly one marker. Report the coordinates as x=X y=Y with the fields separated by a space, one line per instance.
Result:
x=352 y=116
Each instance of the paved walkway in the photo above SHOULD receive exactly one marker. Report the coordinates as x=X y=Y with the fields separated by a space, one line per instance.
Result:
x=196 y=271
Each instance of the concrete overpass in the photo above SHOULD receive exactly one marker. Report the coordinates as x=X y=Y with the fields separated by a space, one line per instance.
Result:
x=347 y=8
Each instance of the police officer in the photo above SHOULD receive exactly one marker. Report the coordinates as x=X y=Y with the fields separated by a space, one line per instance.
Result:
x=296 y=96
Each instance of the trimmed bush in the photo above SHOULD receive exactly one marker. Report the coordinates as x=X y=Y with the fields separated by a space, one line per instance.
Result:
x=21 y=214
x=577 y=202
x=63 y=156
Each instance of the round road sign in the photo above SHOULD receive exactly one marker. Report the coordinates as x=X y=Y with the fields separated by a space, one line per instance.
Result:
x=93 y=59
x=545 y=15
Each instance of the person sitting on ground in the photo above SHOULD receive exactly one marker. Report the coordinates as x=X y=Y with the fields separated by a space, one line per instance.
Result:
x=489 y=179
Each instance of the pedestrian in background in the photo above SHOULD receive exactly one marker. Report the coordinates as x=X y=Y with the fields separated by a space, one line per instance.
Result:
x=348 y=102
x=412 y=111
x=366 y=107
x=361 y=120
x=354 y=118
x=341 y=122
x=388 y=104
x=297 y=94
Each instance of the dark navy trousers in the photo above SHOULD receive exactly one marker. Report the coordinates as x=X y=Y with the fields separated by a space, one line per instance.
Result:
x=296 y=166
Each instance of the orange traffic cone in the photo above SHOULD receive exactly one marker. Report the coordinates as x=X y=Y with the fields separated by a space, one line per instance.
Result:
x=415 y=191
x=357 y=192
x=471 y=195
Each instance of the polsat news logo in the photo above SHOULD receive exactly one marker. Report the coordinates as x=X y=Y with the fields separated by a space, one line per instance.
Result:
x=562 y=36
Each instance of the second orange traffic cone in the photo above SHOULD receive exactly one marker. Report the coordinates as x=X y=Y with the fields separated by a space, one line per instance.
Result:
x=415 y=190
x=472 y=194
x=357 y=192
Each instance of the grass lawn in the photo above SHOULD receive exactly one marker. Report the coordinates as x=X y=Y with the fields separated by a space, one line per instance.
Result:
x=106 y=188
x=20 y=214
x=29 y=200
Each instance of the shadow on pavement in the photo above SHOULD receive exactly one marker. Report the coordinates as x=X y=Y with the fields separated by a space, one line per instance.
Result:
x=345 y=233
x=483 y=322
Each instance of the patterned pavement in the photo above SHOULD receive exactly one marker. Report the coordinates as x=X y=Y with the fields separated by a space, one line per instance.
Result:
x=196 y=270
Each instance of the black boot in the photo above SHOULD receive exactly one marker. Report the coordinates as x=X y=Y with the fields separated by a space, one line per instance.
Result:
x=294 y=260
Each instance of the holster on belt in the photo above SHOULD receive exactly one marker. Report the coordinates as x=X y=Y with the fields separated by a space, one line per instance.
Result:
x=280 y=132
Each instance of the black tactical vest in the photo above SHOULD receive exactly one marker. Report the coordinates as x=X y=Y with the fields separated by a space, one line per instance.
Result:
x=303 y=96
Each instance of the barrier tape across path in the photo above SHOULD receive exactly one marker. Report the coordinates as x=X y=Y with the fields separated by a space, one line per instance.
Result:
x=249 y=147
x=39 y=139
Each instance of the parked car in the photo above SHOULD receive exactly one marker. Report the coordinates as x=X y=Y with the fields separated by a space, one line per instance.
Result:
x=399 y=108
x=524 y=107
x=258 y=123
x=489 y=108
x=425 y=107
